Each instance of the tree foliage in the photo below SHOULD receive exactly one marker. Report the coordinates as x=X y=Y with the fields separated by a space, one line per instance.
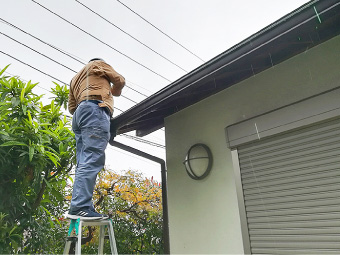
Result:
x=135 y=205
x=36 y=153
x=137 y=210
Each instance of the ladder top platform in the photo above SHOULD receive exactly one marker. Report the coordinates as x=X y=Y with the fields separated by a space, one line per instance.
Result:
x=88 y=222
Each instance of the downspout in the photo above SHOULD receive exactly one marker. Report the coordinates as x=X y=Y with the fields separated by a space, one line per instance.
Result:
x=166 y=236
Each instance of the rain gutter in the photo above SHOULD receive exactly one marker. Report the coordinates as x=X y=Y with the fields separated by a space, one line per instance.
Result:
x=127 y=148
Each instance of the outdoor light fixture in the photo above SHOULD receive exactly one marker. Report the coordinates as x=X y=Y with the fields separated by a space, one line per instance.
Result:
x=198 y=161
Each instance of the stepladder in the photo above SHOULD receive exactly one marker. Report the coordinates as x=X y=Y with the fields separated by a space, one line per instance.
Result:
x=75 y=235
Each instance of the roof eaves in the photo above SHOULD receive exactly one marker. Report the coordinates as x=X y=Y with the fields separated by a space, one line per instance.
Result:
x=141 y=109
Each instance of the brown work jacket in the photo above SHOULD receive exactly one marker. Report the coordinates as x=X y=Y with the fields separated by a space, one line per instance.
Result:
x=92 y=82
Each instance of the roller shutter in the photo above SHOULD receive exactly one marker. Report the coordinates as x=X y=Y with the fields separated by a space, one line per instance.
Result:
x=291 y=188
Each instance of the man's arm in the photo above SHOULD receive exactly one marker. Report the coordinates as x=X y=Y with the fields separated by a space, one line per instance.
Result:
x=71 y=101
x=114 y=77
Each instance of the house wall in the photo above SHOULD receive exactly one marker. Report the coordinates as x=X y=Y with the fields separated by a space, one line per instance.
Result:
x=204 y=215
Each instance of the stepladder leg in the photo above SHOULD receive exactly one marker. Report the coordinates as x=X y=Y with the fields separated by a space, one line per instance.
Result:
x=78 y=245
x=112 y=239
x=67 y=247
x=73 y=229
x=77 y=225
x=101 y=240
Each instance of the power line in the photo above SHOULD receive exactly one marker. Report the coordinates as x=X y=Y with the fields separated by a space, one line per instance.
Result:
x=55 y=61
x=140 y=87
x=62 y=51
x=123 y=54
x=38 y=52
x=160 y=30
x=26 y=82
x=135 y=89
x=51 y=75
x=52 y=46
x=6 y=22
x=41 y=71
x=143 y=141
x=131 y=36
x=130 y=155
x=33 y=68
x=68 y=116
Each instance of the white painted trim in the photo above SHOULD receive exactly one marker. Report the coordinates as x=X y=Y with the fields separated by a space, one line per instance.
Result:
x=240 y=200
x=309 y=111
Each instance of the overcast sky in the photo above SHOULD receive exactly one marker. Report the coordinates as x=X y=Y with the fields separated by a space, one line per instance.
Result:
x=148 y=59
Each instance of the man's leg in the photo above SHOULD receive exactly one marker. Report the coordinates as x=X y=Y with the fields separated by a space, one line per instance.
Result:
x=93 y=123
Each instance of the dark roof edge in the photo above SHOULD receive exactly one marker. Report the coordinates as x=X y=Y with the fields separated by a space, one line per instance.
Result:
x=291 y=19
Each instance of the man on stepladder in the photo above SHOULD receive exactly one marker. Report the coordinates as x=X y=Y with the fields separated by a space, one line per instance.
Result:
x=91 y=103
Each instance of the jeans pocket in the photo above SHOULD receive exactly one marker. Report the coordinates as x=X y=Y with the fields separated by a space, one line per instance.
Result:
x=95 y=133
x=98 y=133
x=95 y=139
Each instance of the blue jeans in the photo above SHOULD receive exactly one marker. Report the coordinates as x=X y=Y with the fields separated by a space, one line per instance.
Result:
x=91 y=126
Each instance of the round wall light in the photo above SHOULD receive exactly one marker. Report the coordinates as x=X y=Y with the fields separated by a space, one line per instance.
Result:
x=198 y=161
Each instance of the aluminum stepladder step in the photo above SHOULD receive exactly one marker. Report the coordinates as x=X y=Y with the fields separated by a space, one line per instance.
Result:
x=77 y=225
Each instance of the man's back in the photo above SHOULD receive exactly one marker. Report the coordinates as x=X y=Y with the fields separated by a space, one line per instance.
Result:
x=93 y=80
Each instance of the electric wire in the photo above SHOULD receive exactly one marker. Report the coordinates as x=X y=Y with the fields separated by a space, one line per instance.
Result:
x=33 y=68
x=124 y=135
x=13 y=75
x=124 y=153
x=123 y=54
x=143 y=140
x=52 y=46
x=135 y=89
x=38 y=52
x=134 y=38
x=66 y=53
x=59 y=50
x=160 y=30
x=141 y=88
x=70 y=117
x=42 y=72
x=55 y=61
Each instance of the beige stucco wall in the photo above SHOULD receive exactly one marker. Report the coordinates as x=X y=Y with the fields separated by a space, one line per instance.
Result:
x=203 y=215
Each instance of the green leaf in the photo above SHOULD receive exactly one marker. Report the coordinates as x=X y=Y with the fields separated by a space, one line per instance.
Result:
x=70 y=178
x=15 y=101
x=16 y=236
x=29 y=116
x=50 y=214
x=3 y=70
x=48 y=132
x=30 y=153
x=30 y=86
x=57 y=194
x=24 y=107
x=3 y=96
x=10 y=233
x=61 y=147
x=53 y=157
x=4 y=133
x=5 y=83
x=22 y=95
x=13 y=143
x=64 y=183
x=46 y=201
x=47 y=183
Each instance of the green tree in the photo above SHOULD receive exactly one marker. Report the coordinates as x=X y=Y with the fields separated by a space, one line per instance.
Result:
x=135 y=206
x=36 y=153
